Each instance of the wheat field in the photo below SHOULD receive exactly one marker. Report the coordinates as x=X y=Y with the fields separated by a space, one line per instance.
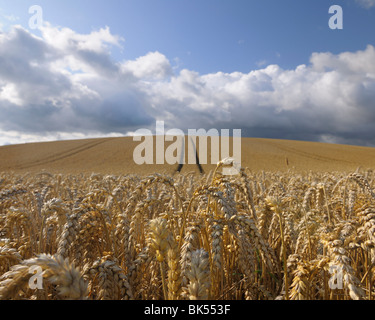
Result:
x=258 y=235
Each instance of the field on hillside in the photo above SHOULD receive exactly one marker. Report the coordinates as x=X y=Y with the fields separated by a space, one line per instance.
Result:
x=258 y=235
x=115 y=156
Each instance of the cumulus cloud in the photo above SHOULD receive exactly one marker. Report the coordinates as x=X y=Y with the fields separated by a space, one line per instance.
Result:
x=63 y=81
x=154 y=65
x=65 y=85
x=332 y=99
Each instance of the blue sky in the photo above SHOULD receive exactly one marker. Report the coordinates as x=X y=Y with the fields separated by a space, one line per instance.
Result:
x=233 y=58
x=212 y=35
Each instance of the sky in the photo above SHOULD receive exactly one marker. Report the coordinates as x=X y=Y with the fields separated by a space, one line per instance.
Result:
x=272 y=68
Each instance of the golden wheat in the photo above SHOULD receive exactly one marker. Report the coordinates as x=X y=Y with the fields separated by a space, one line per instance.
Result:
x=264 y=235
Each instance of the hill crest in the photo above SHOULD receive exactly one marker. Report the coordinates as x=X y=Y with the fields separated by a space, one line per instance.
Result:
x=115 y=156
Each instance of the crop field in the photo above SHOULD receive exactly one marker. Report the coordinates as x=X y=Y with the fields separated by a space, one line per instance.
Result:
x=259 y=235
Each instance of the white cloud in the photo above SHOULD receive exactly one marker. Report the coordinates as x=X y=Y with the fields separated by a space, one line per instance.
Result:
x=154 y=65
x=11 y=18
x=261 y=63
x=68 y=40
x=9 y=93
x=333 y=96
x=64 y=84
x=366 y=3
x=16 y=137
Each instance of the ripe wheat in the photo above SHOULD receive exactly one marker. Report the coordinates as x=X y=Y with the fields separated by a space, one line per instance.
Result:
x=256 y=236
